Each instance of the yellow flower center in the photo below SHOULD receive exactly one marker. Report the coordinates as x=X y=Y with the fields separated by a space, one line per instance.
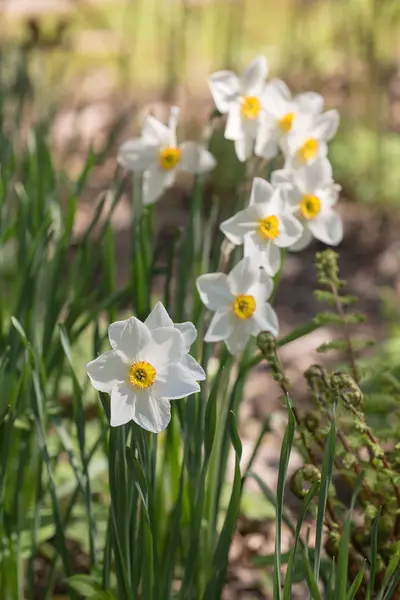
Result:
x=309 y=206
x=268 y=228
x=250 y=107
x=308 y=150
x=244 y=306
x=142 y=374
x=286 y=122
x=169 y=157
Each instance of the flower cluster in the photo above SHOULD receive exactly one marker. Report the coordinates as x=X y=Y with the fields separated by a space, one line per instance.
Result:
x=150 y=362
x=297 y=205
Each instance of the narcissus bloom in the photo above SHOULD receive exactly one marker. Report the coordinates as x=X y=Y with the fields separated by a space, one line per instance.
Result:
x=146 y=368
x=239 y=301
x=158 y=155
x=310 y=138
x=282 y=115
x=311 y=195
x=242 y=99
x=265 y=226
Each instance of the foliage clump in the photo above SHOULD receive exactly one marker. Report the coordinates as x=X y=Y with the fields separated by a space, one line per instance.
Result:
x=350 y=470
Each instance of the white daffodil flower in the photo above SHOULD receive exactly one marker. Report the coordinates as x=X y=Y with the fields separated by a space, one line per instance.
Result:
x=281 y=115
x=159 y=156
x=311 y=195
x=239 y=301
x=264 y=226
x=143 y=372
x=309 y=139
x=242 y=99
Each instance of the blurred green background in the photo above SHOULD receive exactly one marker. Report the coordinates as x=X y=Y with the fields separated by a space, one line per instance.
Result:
x=117 y=56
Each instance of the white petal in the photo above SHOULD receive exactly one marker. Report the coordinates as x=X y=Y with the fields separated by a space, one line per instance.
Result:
x=252 y=80
x=188 y=332
x=293 y=195
x=166 y=345
x=155 y=181
x=137 y=155
x=244 y=148
x=238 y=339
x=155 y=132
x=237 y=226
x=196 y=159
x=275 y=106
x=299 y=182
x=214 y=291
x=224 y=87
x=290 y=230
x=328 y=230
x=266 y=143
x=196 y=369
x=302 y=242
x=310 y=102
x=262 y=289
x=279 y=88
x=128 y=337
x=316 y=174
x=327 y=124
x=158 y=317
x=266 y=319
x=261 y=191
x=276 y=202
x=221 y=326
x=174 y=382
x=114 y=332
x=267 y=284
x=282 y=176
x=243 y=276
x=234 y=129
x=173 y=123
x=329 y=194
x=106 y=371
x=121 y=406
x=263 y=253
x=150 y=412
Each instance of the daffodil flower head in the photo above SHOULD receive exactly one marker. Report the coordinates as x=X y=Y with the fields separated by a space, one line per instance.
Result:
x=239 y=301
x=309 y=139
x=311 y=195
x=281 y=116
x=241 y=98
x=159 y=156
x=147 y=367
x=264 y=226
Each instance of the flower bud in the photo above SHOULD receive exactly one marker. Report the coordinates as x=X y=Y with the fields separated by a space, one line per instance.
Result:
x=346 y=388
x=303 y=479
x=327 y=267
x=267 y=344
x=332 y=544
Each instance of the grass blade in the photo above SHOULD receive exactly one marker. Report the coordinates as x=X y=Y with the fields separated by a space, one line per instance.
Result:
x=343 y=554
x=374 y=555
x=356 y=584
x=283 y=465
x=287 y=590
x=326 y=476
x=220 y=558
